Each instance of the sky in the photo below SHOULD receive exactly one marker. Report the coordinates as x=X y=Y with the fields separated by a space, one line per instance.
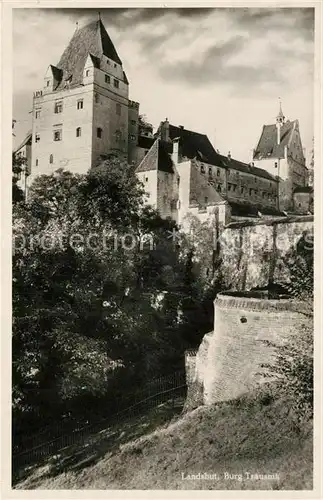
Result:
x=218 y=71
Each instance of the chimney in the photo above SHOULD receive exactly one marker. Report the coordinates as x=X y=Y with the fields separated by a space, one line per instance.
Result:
x=229 y=156
x=175 y=150
x=164 y=130
x=181 y=127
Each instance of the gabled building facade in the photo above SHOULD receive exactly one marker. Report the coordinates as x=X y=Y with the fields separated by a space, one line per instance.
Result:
x=279 y=151
x=183 y=173
x=83 y=112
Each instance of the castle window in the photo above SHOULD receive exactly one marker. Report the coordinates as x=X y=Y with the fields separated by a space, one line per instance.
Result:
x=255 y=179
x=116 y=83
x=229 y=187
x=133 y=122
x=58 y=108
x=218 y=172
x=57 y=135
x=202 y=169
x=80 y=104
x=118 y=109
x=37 y=138
x=276 y=164
x=210 y=171
x=250 y=191
x=206 y=200
x=133 y=137
x=234 y=187
x=99 y=132
x=87 y=72
x=37 y=114
x=36 y=163
x=146 y=179
x=242 y=189
x=178 y=181
x=115 y=65
x=107 y=78
x=78 y=132
x=219 y=188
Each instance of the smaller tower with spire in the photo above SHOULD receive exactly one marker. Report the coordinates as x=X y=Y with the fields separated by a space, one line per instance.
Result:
x=280 y=120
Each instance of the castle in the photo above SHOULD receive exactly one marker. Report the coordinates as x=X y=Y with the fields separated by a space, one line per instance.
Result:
x=83 y=112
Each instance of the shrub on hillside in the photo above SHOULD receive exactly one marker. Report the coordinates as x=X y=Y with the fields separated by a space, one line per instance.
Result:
x=293 y=372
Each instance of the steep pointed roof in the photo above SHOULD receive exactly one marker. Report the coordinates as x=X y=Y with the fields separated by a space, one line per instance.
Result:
x=91 y=39
x=267 y=146
x=24 y=142
x=157 y=158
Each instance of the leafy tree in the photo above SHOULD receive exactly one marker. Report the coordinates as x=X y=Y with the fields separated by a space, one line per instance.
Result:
x=17 y=166
x=71 y=297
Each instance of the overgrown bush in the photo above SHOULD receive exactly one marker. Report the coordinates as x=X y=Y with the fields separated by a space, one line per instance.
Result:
x=293 y=372
x=293 y=365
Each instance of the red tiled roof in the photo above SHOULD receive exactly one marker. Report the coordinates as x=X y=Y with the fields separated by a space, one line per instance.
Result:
x=267 y=146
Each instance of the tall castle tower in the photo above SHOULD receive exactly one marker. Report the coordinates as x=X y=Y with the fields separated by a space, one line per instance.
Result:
x=280 y=152
x=83 y=110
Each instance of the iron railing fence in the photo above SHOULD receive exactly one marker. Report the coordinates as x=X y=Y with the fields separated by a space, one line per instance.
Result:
x=157 y=392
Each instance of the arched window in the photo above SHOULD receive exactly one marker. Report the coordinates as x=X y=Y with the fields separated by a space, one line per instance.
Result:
x=51 y=159
x=78 y=132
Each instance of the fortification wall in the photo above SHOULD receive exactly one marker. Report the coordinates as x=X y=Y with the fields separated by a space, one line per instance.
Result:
x=228 y=362
x=253 y=252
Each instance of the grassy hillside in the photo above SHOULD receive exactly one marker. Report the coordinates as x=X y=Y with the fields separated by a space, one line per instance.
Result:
x=251 y=435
